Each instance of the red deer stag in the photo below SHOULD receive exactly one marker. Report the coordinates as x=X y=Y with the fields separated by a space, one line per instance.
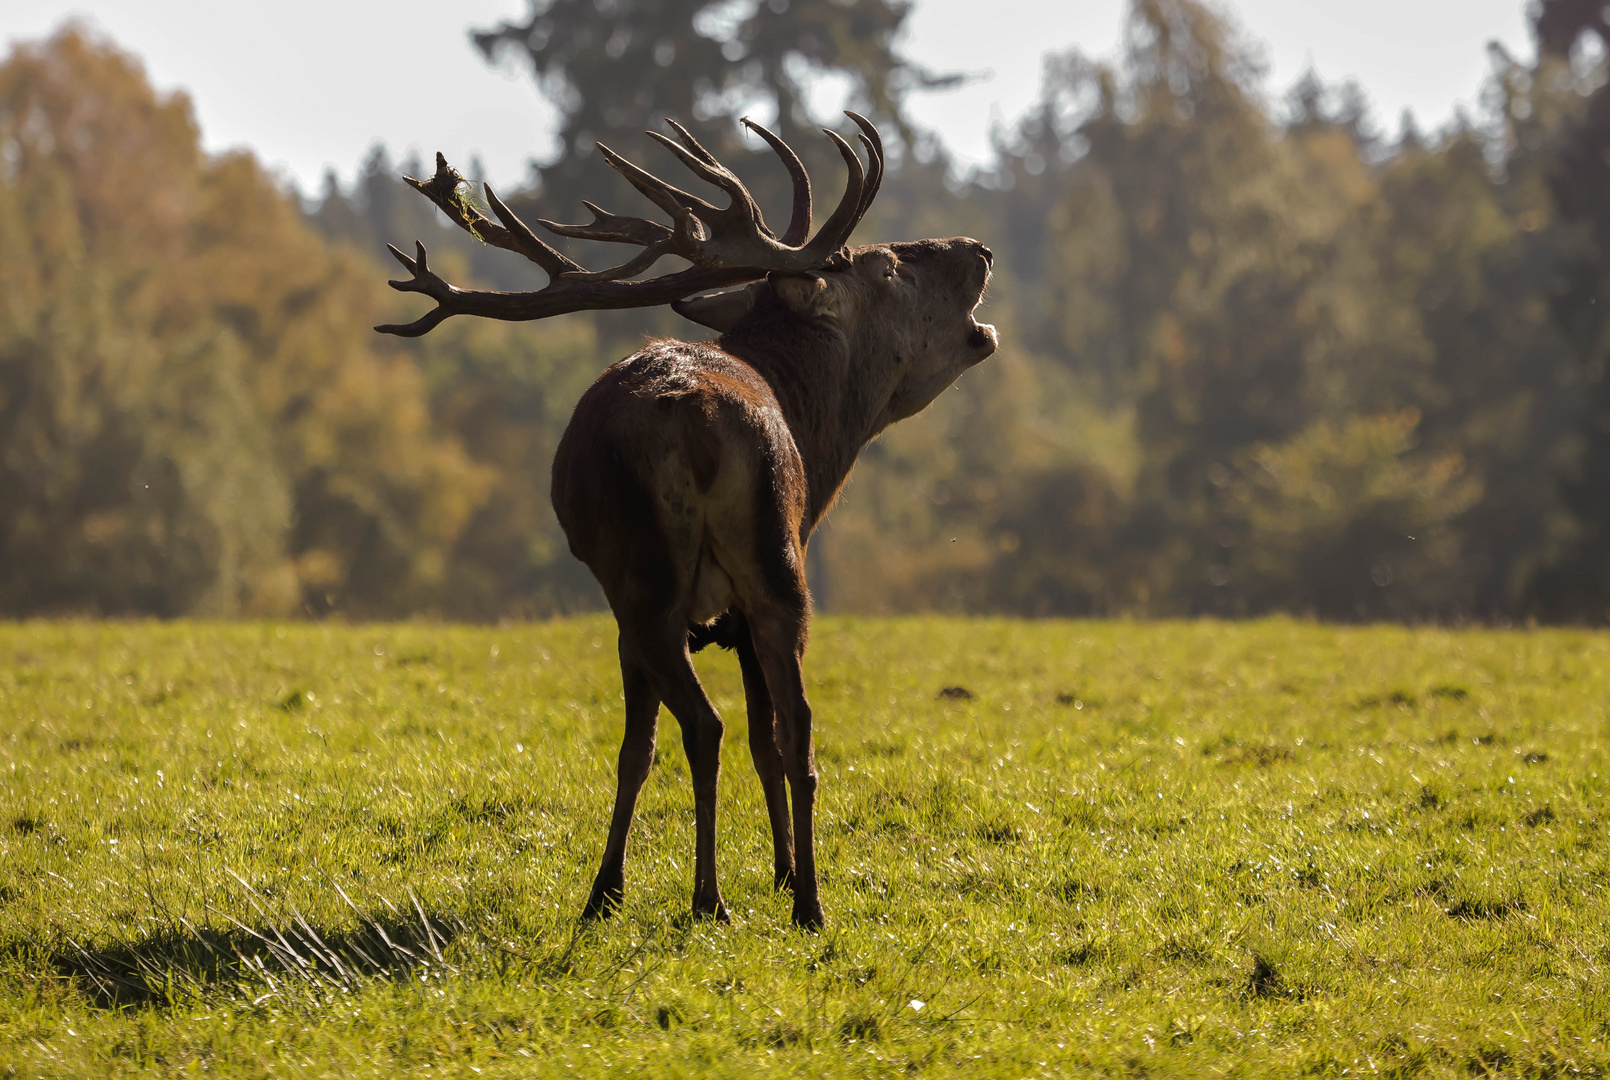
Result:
x=691 y=475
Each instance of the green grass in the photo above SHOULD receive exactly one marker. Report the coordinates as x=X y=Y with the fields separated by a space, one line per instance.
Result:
x=1180 y=849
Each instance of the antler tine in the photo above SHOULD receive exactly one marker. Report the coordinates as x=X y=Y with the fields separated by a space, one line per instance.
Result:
x=711 y=172
x=655 y=239
x=691 y=143
x=874 y=145
x=513 y=235
x=413 y=266
x=423 y=281
x=530 y=244
x=668 y=197
x=722 y=177
x=799 y=222
x=611 y=228
x=874 y=179
x=836 y=231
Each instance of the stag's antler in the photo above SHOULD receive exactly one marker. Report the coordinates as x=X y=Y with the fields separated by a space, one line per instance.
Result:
x=726 y=246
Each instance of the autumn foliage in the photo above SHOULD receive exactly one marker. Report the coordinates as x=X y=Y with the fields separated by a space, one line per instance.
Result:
x=194 y=416
x=1258 y=354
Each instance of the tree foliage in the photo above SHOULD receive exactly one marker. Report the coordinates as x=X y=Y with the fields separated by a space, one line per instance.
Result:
x=1266 y=362
x=623 y=65
x=1257 y=356
x=1574 y=37
x=193 y=416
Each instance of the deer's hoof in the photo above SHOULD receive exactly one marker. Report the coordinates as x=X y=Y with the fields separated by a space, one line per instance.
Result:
x=808 y=916
x=716 y=910
x=604 y=902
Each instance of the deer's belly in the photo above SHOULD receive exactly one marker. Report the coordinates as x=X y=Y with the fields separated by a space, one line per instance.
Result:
x=712 y=591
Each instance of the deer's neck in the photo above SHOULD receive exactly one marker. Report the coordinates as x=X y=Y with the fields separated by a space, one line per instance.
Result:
x=832 y=402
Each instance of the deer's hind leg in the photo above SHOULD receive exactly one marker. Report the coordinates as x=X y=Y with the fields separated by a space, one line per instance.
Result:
x=660 y=646
x=768 y=760
x=636 y=758
x=780 y=644
x=777 y=606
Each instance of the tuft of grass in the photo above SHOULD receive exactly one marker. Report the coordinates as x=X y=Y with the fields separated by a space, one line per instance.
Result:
x=1264 y=849
x=1265 y=980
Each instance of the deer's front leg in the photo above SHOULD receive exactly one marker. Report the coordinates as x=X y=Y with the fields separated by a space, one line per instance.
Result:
x=636 y=758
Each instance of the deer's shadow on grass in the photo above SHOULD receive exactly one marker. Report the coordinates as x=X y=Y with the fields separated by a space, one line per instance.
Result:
x=180 y=962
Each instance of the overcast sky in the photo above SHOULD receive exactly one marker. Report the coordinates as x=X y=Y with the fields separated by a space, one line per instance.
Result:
x=311 y=85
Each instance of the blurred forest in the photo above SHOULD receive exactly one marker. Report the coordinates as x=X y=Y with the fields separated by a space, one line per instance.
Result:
x=1257 y=353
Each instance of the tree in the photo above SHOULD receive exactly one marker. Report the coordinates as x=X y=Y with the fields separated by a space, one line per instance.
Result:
x=1205 y=271
x=193 y=416
x=627 y=64
x=1260 y=302
x=1253 y=360
x=1574 y=36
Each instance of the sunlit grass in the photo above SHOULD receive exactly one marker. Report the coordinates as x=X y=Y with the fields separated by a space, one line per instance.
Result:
x=1264 y=849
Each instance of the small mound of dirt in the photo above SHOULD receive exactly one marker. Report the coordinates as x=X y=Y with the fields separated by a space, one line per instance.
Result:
x=1260 y=755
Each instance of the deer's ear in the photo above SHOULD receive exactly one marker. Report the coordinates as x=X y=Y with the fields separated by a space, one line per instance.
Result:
x=719 y=311
x=806 y=295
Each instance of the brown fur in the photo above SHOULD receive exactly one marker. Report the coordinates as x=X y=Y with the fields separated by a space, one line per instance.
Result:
x=689 y=481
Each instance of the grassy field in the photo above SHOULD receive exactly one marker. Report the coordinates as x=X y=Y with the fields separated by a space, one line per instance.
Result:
x=1180 y=849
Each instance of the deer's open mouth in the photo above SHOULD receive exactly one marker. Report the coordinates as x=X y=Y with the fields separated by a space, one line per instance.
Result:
x=983 y=336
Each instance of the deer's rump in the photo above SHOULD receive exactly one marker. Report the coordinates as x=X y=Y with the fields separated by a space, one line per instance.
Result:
x=679 y=485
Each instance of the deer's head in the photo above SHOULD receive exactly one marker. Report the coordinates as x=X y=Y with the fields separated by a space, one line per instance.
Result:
x=902 y=313
x=906 y=313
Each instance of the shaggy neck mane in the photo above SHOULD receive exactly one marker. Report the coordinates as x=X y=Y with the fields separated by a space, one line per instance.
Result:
x=831 y=409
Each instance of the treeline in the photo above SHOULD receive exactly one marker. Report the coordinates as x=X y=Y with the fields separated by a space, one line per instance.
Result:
x=1257 y=356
